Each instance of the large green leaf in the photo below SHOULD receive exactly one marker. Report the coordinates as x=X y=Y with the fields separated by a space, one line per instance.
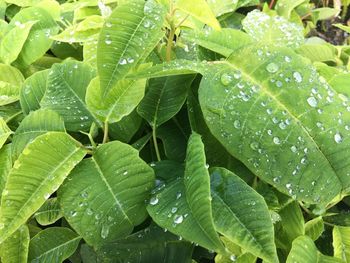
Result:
x=33 y=91
x=164 y=99
x=49 y=212
x=341 y=242
x=11 y=80
x=314 y=228
x=183 y=206
x=5 y=132
x=65 y=94
x=53 y=244
x=36 y=174
x=5 y=165
x=15 y=248
x=149 y=245
x=125 y=180
x=33 y=125
x=242 y=215
x=38 y=41
x=128 y=36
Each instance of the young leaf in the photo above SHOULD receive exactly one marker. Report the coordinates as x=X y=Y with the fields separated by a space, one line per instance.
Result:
x=128 y=37
x=53 y=244
x=15 y=248
x=5 y=132
x=28 y=185
x=314 y=228
x=116 y=170
x=33 y=125
x=183 y=206
x=65 y=94
x=11 y=80
x=5 y=165
x=242 y=215
x=49 y=212
x=151 y=244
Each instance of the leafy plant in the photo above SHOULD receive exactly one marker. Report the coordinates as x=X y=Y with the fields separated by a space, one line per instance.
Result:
x=174 y=131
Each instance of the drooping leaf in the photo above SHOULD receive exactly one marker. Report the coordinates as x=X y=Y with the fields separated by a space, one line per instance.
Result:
x=116 y=170
x=275 y=30
x=28 y=185
x=164 y=99
x=341 y=242
x=242 y=215
x=183 y=206
x=65 y=94
x=200 y=10
x=5 y=132
x=33 y=125
x=49 y=212
x=33 y=91
x=149 y=245
x=54 y=244
x=15 y=248
x=127 y=37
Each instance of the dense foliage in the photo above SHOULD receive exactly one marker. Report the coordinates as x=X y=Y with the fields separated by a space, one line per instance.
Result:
x=174 y=131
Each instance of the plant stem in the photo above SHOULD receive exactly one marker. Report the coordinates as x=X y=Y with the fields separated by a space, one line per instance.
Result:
x=170 y=43
x=105 y=134
x=154 y=135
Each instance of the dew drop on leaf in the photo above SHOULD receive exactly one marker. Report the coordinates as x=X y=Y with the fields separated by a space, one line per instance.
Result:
x=104 y=231
x=154 y=200
x=178 y=219
x=226 y=79
x=272 y=67
x=312 y=101
x=237 y=124
x=276 y=140
x=338 y=137
x=297 y=77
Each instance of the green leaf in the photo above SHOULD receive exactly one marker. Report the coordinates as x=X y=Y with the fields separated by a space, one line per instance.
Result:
x=49 y=212
x=314 y=228
x=28 y=185
x=341 y=242
x=285 y=7
x=223 y=42
x=200 y=10
x=12 y=43
x=53 y=244
x=183 y=206
x=11 y=80
x=33 y=125
x=227 y=6
x=15 y=248
x=149 y=245
x=126 y=128
x=5 y=165
x=242 y=215
x=122 y=99
x=38 y=41
x=164 y=99
x=65 y=94
x=276 y=30
x=128 y=37
x=5 y=132
x=116 y=170
x=341 y=26
x=23 y=2
x=318 y=52
x=33 y=91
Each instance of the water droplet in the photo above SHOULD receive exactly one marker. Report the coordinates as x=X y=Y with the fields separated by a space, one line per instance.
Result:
x=178 y=195
x=237 y=124
x=276 y=140
x=108 y=41
x=233 y=258
x=254 y=146
x=338 y=137
x=312 y=101
x=226 y=79
x=287 y=59
x=272 y=67
x=104 y=231
x=297 y=77
x=178 y=219
x=173 y=210
x=154 y=200
x=293 y=149
x=73 y=213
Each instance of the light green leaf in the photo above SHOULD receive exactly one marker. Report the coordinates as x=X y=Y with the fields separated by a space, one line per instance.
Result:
x=227 y=6
x=276 y=30
x=5 y=165
x=318 y=52
x=183 y=206
x=164 y=99
x=116 y=170
x=65 y=94
x=200 y=10
x=12 y=43
x=241 y=214
x=90 y=50
x=223 y=42
x=314 y=228
x=341 y=242
x=325 y=13
x=122 y=99
x=11 y=80
x=5 y=132
x=57 y=153
x=341 y=26
x=126 y=128
x=38 y=41
x=49 y=212
x=149 y=245
x=285 y=7
x=23 y=2
x=33 y=125
x=53 y=244
x=15 y=248
x=33 y=91
x=128 y=37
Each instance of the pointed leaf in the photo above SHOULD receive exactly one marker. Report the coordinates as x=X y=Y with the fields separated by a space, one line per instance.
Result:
x=314 y=228
x=49 y=212
x=242 y=215
x=28 y=185
x=11 y=80
x=125 y=180
x=33 y=125
x=128 y=36
x=183 y=206
x=5 y=132
x=341 y=242
x=5 y=165
x=53 y=244
x=15 y=248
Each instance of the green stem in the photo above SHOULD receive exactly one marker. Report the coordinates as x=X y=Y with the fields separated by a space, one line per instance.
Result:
x=170 y=43
x=154 y=135
x=105 y=134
